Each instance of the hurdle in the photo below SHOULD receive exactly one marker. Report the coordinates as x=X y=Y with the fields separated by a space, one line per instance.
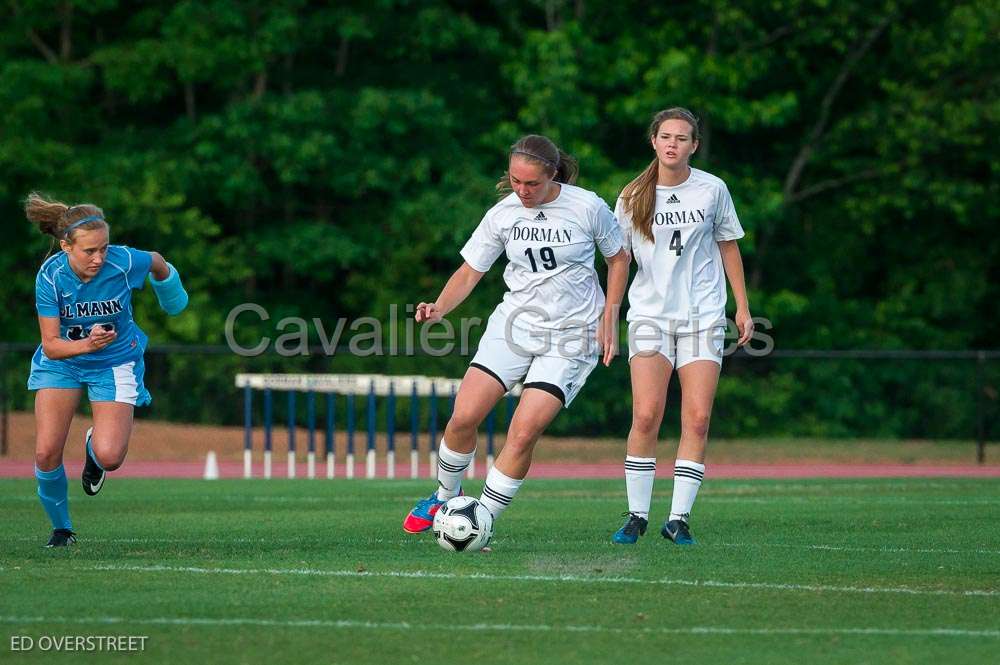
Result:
x=349 y=387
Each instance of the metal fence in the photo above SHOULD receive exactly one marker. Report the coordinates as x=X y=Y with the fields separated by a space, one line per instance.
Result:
x=836 y=394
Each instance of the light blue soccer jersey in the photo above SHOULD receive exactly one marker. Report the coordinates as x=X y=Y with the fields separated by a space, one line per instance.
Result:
x=106 y=299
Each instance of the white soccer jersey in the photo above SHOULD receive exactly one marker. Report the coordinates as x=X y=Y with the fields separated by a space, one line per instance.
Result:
x=681 y=282
x=550 y=248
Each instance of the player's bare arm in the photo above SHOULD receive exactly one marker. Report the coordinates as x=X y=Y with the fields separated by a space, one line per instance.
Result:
x=733 y=262
x=617 y=279
x=455 y=291
x=57 y=348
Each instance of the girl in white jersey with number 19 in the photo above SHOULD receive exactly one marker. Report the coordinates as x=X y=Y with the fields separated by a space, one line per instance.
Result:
x=681 y=226
x=544 y=331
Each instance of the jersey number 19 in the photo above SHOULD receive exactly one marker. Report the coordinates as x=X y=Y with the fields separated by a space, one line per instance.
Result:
x=547 y=256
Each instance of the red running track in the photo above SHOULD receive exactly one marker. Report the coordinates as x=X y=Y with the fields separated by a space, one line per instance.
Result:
x=22 y=469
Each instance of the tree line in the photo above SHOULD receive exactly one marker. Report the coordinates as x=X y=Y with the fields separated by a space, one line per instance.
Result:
x=329 y=160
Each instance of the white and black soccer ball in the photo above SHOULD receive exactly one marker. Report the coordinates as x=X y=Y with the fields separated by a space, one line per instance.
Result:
x=463 y=524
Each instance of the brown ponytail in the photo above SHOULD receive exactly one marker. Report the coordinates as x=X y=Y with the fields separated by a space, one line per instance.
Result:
x=541 y=150
x=53 y=217
x=639 y=199
x=639 y=196
x=568 y=169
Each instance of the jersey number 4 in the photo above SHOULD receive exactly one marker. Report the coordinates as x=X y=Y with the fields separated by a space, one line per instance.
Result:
x=675 y=243
x=547 y=256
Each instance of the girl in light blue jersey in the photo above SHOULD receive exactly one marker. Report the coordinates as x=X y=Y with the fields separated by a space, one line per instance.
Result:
x=83 y=296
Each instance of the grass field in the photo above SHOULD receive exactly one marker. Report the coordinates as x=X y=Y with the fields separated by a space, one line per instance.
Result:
x=832 y=571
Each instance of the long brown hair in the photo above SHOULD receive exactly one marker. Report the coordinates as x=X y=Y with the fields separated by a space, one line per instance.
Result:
x=53 y=218
x=639 y=196
x=541 y=150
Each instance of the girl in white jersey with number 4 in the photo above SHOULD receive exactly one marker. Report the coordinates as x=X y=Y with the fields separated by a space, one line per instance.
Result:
x=544 y=331
x=681 y=226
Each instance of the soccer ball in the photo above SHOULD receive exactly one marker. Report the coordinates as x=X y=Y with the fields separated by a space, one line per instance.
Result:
x=463 y=525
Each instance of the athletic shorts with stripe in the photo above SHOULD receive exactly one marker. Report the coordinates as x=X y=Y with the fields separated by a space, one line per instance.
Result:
x=121 y=383
x=556 y=364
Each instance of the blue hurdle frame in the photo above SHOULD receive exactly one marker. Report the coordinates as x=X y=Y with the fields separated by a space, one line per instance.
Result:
x=370 y=409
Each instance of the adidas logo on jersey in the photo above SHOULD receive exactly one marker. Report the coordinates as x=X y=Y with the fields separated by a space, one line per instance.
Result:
x=540 y=217
x=673 y=199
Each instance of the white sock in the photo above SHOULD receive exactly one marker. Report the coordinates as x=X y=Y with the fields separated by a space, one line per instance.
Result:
x=499 y=491
x=451 y=468
x=687 y=480
x=639 y=475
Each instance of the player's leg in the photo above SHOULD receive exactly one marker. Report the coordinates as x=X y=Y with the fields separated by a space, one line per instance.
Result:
x=498 y=364
x=114 y=393
x=535 y=410
x=478 y=394
x=54 y=409
x=552 y=383
x=650 y=371
x=108 y=441
x=699 y=363
x=476 y=397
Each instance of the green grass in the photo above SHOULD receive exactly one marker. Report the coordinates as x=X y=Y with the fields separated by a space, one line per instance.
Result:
x=830 y=571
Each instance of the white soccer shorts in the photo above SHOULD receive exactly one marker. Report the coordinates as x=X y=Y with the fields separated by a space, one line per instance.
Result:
x=557 y=365
x=678 y=348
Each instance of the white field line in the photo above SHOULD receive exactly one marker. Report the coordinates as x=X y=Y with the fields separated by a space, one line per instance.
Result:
x=501 y=627
x=212 y=540
x=731 y=485
x=512 y=541
x=706 y=497
x=785 y=499
x=579 y=579
x=896 y=500
x=840 y=548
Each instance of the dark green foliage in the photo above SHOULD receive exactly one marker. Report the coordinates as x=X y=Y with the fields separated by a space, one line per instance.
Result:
x=329 y=162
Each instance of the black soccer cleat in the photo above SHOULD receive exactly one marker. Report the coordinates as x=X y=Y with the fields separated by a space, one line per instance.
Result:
x=634 y=527
x=61 y=538
x=93 y=474
x=677 y=531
